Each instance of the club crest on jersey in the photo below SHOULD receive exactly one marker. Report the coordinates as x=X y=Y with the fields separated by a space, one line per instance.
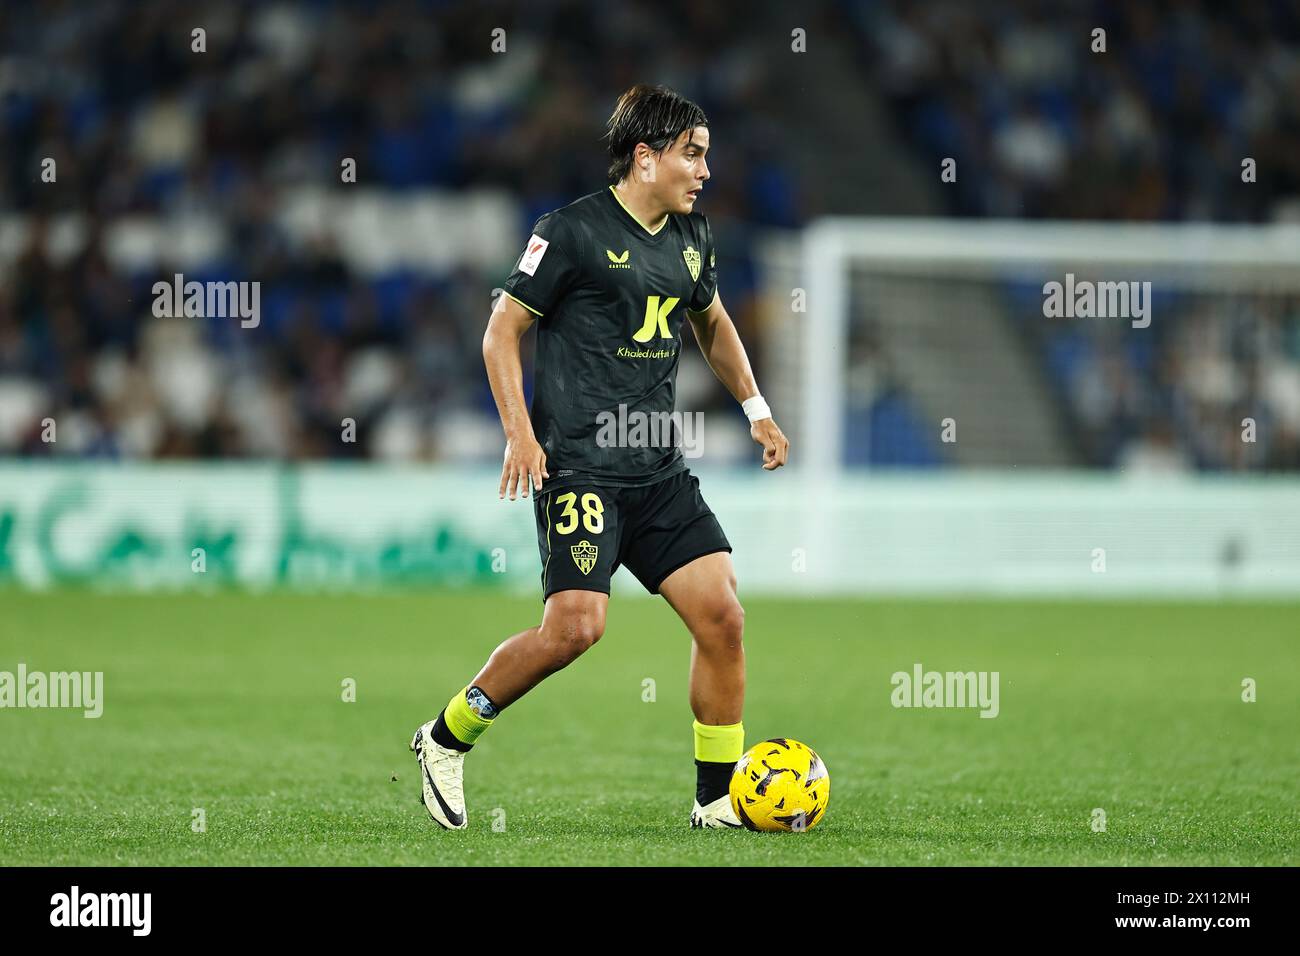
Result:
x=584 y=556
x=692 y=261
x=618 y=262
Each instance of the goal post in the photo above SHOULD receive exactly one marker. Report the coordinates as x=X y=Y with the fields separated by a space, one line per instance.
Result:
x=920 y=283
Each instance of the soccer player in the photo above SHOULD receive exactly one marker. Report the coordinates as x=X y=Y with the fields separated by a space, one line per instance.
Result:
x=610 y=280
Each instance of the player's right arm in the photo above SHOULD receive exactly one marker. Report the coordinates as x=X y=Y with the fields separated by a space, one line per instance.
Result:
x=540 y=278
x=525 y=461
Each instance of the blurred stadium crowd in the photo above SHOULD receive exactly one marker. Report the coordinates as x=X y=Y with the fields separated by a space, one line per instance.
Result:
x=1181 y=394
x=1042 y=126
x=141 y=128
x=1155 y=128
x=224 y=166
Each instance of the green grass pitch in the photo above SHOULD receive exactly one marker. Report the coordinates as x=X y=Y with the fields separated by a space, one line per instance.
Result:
x=233 y=703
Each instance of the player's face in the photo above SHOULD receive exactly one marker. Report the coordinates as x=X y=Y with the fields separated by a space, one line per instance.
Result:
x=682 y=171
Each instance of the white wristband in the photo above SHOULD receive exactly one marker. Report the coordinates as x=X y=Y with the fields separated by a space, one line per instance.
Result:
x=756 y=408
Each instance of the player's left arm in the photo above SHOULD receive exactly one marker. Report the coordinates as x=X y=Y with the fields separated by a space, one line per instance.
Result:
x=725 y=353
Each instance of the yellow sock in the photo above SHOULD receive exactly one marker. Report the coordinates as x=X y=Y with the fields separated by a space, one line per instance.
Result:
x=719 y=743
x=464 y=722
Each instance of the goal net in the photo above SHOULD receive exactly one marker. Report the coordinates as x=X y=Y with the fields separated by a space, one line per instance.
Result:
x=928 y=343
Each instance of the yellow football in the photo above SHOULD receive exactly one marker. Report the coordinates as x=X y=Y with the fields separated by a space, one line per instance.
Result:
x=780 y=784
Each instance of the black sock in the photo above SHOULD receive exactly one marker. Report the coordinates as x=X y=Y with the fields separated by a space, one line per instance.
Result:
x=442 y=735
x=712 y=780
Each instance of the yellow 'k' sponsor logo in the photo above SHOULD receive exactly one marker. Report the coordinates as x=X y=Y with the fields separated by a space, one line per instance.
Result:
x=656 y=317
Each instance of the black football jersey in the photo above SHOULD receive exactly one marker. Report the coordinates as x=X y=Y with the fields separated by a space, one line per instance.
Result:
x=612 y=298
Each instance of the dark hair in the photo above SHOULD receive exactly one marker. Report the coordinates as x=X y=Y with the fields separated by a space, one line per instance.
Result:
x=654 y=115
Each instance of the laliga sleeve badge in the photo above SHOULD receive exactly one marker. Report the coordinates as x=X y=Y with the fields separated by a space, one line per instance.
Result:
x=533 y=254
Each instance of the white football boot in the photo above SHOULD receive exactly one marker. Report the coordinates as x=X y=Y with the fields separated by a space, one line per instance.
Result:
x=442 y=779
x=718 y=815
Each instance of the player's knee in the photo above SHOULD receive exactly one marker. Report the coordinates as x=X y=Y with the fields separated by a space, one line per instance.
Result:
x=573 y=638
x=724 y=627
x=732 y=623
x=573 y=629
x=582 y=631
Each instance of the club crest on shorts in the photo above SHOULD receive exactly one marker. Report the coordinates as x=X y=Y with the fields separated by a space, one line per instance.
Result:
x=692 y=261
x=584 y=556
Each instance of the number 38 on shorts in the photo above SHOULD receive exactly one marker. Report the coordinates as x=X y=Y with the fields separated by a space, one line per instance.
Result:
x=584 y=533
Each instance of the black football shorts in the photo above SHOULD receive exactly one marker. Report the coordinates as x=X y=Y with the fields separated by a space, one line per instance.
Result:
x=584 y=532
